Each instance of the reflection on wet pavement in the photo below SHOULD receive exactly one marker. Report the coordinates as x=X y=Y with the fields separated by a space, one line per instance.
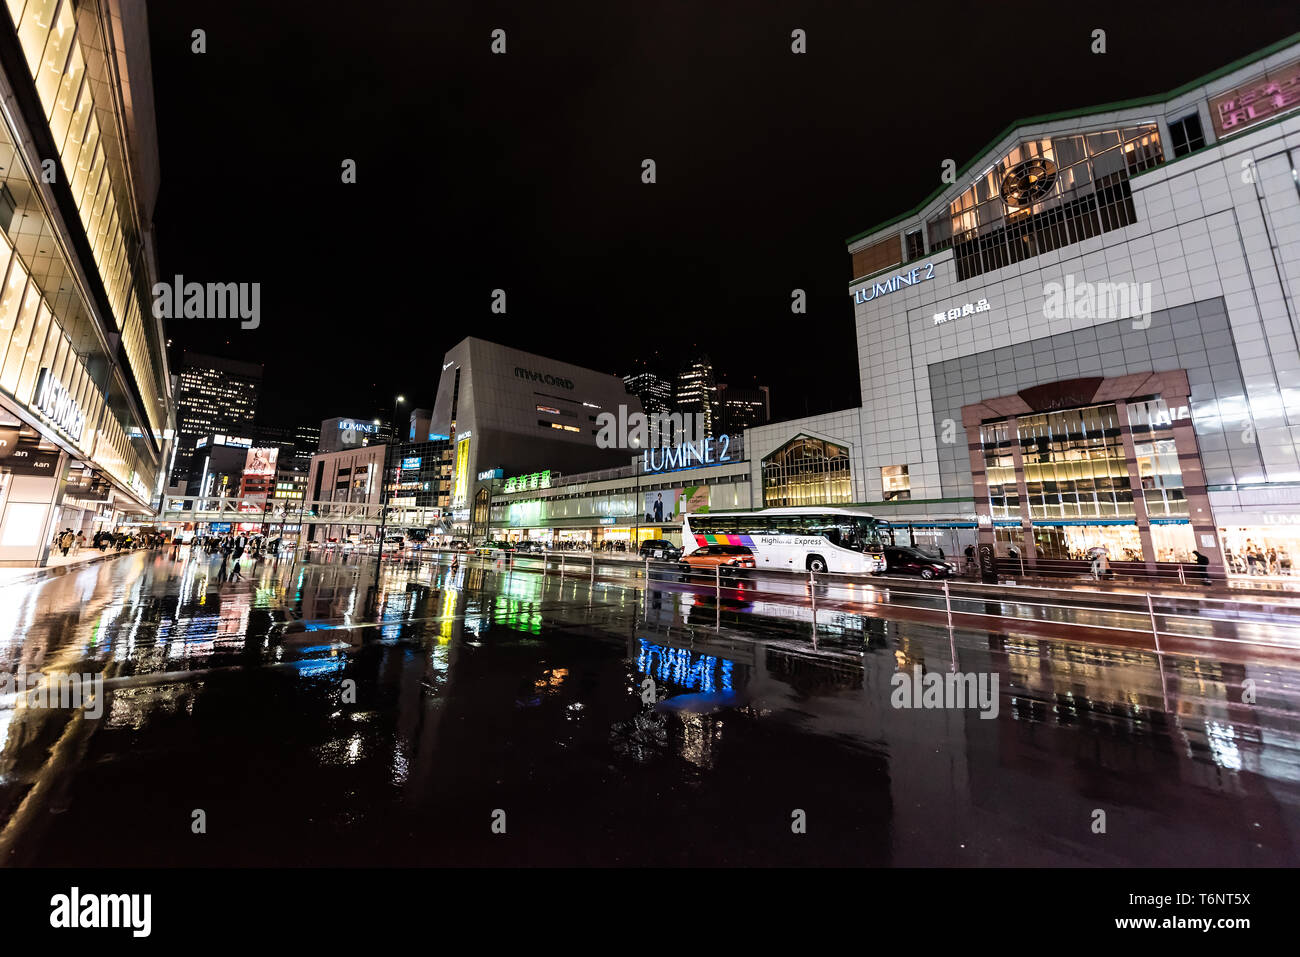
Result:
x=316 y=720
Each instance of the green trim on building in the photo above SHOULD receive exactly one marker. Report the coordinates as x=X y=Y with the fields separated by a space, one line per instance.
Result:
x=1088 y=111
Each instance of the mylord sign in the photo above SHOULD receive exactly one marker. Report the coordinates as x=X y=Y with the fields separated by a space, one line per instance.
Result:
x=895 y=282
x=56 y=404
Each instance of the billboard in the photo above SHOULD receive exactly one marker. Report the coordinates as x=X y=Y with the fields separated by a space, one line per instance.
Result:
x=261 y=461
x=661 y=505
x=460 y=474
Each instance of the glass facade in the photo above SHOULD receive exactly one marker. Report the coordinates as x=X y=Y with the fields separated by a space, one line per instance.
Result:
x=1152 y=425
x=807 y=471
x=47 y=33
x=1043 y=195
x=1076 y=477
x=1000 y=469
x=48 y=329
x=1074 y=464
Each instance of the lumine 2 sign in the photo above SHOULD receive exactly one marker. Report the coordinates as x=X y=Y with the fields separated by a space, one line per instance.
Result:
x=55 y=403
x=920 y=274
x=703 y=452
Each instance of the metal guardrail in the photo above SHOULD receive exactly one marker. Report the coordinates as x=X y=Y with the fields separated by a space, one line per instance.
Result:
x=1150 y=612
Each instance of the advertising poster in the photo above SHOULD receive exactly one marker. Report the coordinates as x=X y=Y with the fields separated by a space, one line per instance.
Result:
x=460 y=475
x=696 y=499
x=261 y=461
x=661 y=505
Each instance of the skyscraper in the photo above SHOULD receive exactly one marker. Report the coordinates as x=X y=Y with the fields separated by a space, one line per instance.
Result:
x=213 y=396
x=654 y=391
x=696 y=391
x=738 y=407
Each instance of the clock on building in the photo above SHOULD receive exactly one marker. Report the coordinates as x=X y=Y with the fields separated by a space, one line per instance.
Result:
x=1028 y=182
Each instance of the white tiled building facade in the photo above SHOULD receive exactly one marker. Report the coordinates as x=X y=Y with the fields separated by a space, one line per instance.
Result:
x=1191 y=202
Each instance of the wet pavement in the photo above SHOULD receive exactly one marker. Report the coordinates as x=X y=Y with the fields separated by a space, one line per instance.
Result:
x=315 y=720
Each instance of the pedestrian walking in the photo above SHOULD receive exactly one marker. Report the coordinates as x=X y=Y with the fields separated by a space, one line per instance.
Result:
x=78 y=542
x=1204 y=562
x=237 y=553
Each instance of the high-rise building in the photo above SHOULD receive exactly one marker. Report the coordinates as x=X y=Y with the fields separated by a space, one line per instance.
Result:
x=214 y=396
x=296 y=444
x=654 y=391
x=86 y=405
x=739 y=407
x=697 y=392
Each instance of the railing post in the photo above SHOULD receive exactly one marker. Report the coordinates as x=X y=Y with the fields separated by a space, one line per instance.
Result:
x=947 y=601
x=717 y=582
x=647 y=573
x=1182 y=580
x=812 y=591
x=593 y=569
x=1155 y=632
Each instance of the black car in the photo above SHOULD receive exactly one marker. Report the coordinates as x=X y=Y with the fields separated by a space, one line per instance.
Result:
x=902 y=560
x=531 y=546
x=660 y=549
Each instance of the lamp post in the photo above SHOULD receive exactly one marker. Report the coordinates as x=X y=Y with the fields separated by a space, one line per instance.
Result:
x=383 y=491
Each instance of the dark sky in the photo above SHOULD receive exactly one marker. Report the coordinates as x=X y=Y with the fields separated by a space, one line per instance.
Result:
x=522 y=171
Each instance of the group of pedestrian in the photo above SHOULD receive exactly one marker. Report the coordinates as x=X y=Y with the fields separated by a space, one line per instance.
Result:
x=69 y=542
x=1254 y=560
x=232 y=549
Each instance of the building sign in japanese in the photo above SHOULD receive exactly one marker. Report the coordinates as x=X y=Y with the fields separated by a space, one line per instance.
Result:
x=1263 y=98
x=895 y=282
x=525 y=483
x=958 y=312
x=489 y=474
x=410 y=463
x=56 y=404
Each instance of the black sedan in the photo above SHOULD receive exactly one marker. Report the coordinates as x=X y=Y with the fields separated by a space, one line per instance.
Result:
x=902 y=560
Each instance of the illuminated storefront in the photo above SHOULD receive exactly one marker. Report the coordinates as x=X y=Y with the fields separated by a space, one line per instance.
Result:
x=89 y=431
x=1081 y=475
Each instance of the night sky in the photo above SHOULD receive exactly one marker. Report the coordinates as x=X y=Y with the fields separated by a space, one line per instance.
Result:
x=523 y=172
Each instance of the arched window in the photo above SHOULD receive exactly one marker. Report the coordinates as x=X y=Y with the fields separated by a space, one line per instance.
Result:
x=807 y=471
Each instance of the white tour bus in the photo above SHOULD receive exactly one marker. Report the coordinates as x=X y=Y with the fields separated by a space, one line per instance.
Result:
x=814 y=539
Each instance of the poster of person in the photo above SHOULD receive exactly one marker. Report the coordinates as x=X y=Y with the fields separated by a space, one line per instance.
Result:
x=261 y=461
x=661 y=506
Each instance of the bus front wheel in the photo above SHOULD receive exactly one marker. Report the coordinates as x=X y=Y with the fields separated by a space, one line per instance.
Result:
x=816 y=563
